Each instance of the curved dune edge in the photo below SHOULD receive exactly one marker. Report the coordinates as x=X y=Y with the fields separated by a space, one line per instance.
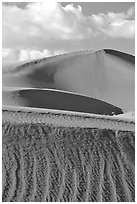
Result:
x=19 y=115
x=66 y=156
x=125 y=56
x=60 y=100
x=106 y=75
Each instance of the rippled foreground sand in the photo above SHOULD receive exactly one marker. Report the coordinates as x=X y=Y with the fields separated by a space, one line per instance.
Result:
x=66 y=157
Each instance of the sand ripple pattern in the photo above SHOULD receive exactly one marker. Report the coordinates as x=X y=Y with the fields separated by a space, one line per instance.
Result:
x=48 y=163
x=65 y=119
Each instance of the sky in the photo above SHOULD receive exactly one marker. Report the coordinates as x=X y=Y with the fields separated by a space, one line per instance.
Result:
x=37 y=30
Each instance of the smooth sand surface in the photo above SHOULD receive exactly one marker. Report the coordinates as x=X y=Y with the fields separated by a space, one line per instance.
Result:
x=51 y=99
x=61 y=146
x=107 y=75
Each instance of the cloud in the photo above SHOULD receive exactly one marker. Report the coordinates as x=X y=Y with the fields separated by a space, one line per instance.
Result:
x=40 y=29
x=115 y=25
x=15 y=55
x=26 y=54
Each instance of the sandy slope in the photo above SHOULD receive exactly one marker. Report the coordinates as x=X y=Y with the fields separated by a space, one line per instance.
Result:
x=60 y=155
x=43 y=162
x=22 y=115
x=107 y=75
x=51 y=99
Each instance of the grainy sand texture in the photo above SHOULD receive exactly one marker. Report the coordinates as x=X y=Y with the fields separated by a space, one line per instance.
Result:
x=55 y=163
x=57 y=100
x=68 y=127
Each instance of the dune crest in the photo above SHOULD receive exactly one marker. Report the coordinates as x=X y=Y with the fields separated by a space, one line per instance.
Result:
x=51 y=99
x=105 y=75
x=65 y=137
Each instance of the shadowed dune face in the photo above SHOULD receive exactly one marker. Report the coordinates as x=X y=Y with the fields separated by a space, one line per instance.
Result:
x=58 y=156
x=50 y=99
x=106 y=75
x=47 y=163
x=124 y=56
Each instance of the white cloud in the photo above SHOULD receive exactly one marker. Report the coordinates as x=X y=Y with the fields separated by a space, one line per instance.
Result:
x=115 y=26
x=39 y=27
x=23 y=55
x=26 y=54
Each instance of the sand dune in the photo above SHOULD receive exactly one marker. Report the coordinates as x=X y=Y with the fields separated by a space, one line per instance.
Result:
x=65 y=137
x=106 y=75
x=51 y=99
x=47 y=163
x=25 y=115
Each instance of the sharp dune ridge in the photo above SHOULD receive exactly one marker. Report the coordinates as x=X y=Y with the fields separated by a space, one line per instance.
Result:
x=47 y=163
x=21 y=115
x=50 y=99
x=50 y=58
x=106 y=75
x=125 y=56
x=64 y=135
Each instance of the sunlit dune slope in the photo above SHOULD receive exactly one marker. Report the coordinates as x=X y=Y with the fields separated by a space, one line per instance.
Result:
x=51 y=99
x=107 y=75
